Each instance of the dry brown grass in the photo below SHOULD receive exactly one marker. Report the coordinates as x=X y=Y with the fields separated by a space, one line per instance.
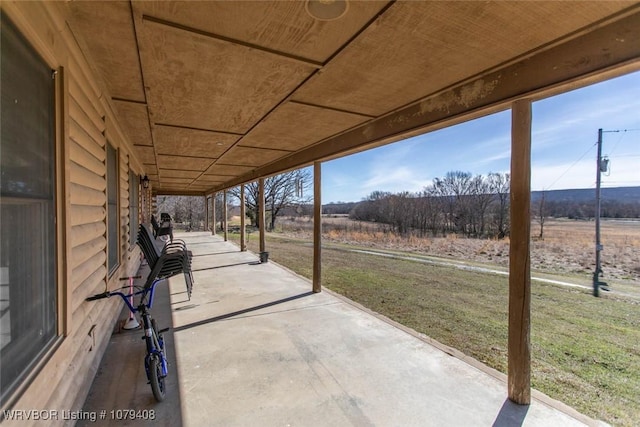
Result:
x=568 y=246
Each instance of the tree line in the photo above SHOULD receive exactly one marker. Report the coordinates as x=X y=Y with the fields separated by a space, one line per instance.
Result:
x=286 y=194
x=458 y=203
x=185 y=211
x=473 y=206
x=586 y=210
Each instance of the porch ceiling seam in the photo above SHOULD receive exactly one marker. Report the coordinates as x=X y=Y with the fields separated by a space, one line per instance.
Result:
x=237 y=42
x=562 y=64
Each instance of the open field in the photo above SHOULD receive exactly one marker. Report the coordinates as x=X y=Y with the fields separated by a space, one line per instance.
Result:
x=585 y=350
x=568 y=247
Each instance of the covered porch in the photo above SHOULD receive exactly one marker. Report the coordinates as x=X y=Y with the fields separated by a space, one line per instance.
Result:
x=144 y=98
x=255 y=346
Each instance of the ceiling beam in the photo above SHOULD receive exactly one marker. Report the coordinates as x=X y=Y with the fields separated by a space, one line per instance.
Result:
x=167 y=125
x=338 y=110
x=225 y=39
x=610 y=49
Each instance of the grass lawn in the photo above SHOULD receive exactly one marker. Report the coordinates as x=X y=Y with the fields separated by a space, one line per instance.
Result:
x=585 y=350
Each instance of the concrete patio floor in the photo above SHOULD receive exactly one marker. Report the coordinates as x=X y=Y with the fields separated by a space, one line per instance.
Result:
x=254 y=347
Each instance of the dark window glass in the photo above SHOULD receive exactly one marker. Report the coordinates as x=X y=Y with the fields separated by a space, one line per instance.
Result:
x=27 y=209
x=112 y=207
x=134 y=186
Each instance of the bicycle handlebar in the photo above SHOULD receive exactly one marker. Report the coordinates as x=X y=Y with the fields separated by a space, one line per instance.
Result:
x=143 y=292
x=132 y=277
x=98 y=296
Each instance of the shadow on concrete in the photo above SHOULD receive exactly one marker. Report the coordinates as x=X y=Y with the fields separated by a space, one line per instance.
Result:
x=215 y=253
x=179 y=293
x=206 y=242
x=511 y=414
x=227 y=265
x=243 y=311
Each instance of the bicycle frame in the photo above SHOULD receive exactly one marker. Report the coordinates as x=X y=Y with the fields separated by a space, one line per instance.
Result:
x=125 y=297
x=153 y=338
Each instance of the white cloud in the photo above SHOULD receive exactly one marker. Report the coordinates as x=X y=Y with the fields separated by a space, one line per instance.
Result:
x=563 y=175
x=395 y=178
x=623 y=172
x=500 y=157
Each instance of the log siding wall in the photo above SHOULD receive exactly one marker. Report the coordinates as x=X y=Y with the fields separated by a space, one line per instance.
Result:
x=84 y=121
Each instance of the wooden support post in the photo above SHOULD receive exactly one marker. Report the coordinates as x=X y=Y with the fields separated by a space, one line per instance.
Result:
x=206 y=212
x=317 y=227
x=154 y=205
x=213 y=213
x=519 y=353
x=261 y=218
x=225 y=215
x=243 y=215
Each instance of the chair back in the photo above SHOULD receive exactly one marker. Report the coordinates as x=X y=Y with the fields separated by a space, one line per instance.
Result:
x=147 y=246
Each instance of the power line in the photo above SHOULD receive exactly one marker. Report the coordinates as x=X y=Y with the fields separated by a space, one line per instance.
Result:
x=569 y=168
x=624 y=156
x=622 y=132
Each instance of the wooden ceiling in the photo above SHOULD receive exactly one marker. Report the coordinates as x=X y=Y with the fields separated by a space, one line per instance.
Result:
x=216 y=93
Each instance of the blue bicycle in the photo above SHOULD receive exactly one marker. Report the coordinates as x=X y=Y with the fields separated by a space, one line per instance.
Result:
x=155 y=361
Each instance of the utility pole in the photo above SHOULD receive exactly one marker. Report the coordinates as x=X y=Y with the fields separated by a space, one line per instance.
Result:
x=601 y=167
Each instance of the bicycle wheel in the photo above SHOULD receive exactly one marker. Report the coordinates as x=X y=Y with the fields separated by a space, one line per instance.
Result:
x=155 y=378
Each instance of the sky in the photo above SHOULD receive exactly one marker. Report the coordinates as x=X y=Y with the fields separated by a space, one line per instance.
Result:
x=563 y=150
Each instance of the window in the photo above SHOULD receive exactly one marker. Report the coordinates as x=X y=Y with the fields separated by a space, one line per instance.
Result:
x=28 y=295
x=112 y=208
x=134 y=186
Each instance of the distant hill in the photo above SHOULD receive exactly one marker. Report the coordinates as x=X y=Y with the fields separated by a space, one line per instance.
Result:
x=579 y=195
x=585 y=195
x=339 y=208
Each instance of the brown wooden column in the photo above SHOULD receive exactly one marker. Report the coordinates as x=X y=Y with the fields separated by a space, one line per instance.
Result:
x=519 y=357
x=225 y=215
x=317 y=227
x=213 y=213
x=154 y=205
x=261 y=218
x=206 y=212
x=243 y=215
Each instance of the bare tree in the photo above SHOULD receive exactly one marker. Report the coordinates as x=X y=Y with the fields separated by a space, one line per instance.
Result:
x=474 y=206
x=480 y=199
x=281 y=191
x=541 y=214
x=186 y=210
x=499 y=186
x=453 y=189
x=434 y=210
x=401 y=211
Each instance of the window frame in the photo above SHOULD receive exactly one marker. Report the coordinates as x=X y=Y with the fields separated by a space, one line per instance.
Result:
x=134 y=207
x=58 y=287
x=113 y=236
